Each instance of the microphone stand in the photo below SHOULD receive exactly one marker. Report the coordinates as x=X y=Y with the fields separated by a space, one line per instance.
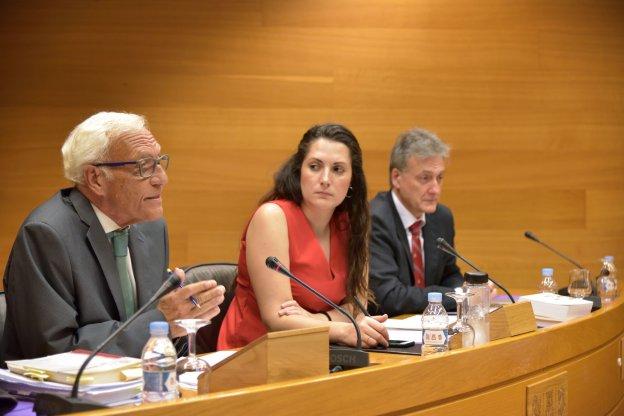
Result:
x=50 y=404
x=564 y=291
x=338 y=355
x=531 y=236
x=443 y=245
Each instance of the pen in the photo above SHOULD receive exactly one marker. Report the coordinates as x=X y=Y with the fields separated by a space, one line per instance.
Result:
x=191 y=298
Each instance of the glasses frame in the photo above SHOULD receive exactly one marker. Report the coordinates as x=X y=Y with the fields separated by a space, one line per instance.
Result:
x=138 y=163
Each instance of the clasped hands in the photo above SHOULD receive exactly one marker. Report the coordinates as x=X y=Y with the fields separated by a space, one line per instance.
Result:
x=177 y=305
x=372 y=329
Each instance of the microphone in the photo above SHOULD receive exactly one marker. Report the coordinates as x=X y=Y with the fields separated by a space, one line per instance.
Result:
x=443 y=245
x=564 y=290
x=531 y=236
x=342 y=356
x=50 y=404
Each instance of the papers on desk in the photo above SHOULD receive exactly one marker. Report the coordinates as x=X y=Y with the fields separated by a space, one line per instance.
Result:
x=62 y=368
x=552 y=308
x=409 y=329
x=188 y=380
x=109 y=394
x=108 y=379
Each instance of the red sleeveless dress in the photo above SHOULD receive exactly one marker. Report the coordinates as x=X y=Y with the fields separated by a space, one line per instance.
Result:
x=242 y=323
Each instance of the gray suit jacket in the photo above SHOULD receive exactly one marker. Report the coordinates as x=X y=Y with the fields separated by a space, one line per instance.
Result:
x=62 y=286
x=391 y=268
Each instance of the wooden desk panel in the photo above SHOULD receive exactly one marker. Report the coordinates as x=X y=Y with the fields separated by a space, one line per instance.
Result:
x=582 y=355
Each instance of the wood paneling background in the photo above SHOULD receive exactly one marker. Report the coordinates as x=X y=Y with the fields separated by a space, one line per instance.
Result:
x=530 y=94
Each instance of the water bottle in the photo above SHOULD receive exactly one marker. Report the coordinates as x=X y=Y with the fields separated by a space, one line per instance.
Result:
x=548 y=284
x=435 y=323
x=613 y=273
x=479 y=305
x=159 y=365
x=606 y=283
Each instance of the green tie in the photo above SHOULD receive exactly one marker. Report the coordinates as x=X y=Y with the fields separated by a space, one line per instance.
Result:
x=120 y=249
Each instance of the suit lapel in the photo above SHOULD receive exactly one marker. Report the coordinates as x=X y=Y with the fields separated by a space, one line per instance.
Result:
x=147 y=274
x=430 y=233
x=101 y=247
x=401 y=235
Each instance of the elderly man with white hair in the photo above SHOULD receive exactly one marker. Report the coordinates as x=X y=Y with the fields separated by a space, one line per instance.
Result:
x=89 y=257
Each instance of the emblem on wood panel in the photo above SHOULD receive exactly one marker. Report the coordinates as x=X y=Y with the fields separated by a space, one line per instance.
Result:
x=548 y=397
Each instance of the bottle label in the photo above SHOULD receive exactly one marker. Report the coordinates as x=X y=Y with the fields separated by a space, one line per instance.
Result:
x=159 y=381
x=435 y=336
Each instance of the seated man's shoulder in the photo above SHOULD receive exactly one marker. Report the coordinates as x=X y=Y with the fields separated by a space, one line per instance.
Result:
x=156 y=226
x=379 y=204
x=442 y=212
x=56 y=212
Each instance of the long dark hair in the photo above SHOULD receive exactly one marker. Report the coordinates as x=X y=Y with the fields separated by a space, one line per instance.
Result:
x=288 y=186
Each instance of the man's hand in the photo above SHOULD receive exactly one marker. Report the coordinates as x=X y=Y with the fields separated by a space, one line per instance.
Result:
x=177 y=305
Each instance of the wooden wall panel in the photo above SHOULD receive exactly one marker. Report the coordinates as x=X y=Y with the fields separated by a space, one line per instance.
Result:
x=529 y=95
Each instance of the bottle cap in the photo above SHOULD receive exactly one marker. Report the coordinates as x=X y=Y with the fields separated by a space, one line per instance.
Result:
x=434 y=297
x=609 y=259
x=159 y=328
x=547 y=271
x=476 y=278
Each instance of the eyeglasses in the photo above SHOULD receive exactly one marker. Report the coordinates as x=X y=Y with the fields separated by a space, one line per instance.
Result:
x=147 y=165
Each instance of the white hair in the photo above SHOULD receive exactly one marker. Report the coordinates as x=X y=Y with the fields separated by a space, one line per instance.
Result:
x=90 y=140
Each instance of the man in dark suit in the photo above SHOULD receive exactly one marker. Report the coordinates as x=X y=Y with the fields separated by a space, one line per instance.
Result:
x=405 y=264
x=89 y=257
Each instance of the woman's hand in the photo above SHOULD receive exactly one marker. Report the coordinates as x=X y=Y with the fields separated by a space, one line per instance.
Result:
x=372 y=329
x=291 y=307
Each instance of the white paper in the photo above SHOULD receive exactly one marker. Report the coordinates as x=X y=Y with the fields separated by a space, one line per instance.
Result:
x=405 y=335
x=557 y=307
x=108 y=394
x=414 y=322
x=215 y=358
x=188 y=380
x=70 y=362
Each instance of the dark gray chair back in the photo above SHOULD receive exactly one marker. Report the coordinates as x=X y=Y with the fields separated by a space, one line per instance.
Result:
x=224 y=274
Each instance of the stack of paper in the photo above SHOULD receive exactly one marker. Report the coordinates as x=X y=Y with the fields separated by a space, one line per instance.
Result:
x=110 y=394
x=409 y=329
x=552 y=308
x=62 y=368
x=108 y=379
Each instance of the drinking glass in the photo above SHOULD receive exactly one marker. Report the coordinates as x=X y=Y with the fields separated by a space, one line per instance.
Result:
x=461 y=326
x=192 y=326
x=579 y=283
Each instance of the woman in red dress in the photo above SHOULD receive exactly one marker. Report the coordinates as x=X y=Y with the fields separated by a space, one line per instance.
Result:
x=316 y=221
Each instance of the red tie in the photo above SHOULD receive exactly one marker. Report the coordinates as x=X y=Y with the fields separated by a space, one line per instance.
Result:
x=419 y=275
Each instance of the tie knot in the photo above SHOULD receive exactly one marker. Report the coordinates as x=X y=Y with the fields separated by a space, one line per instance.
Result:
x=415 y=228
x=119 y=239
x=119 y=232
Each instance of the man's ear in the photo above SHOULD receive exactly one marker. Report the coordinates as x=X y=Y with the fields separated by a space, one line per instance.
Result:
x=94 y=179
x=394 y=178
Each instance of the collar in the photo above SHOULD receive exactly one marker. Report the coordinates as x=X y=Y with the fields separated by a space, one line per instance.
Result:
x=107 y=223
x=407 y=218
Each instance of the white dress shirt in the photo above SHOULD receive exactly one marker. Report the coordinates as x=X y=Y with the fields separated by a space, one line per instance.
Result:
x=109 y=225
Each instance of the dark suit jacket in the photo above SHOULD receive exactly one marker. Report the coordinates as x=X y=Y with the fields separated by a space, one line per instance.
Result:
x=391 y=267
x=62 y=286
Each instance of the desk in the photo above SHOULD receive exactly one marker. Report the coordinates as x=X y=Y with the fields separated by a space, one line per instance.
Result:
x=578 y=361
